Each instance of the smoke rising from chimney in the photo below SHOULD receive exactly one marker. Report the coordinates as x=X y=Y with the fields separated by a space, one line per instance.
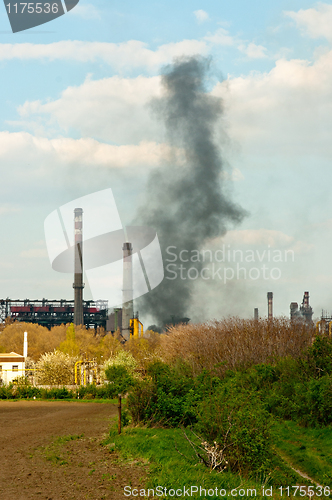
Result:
x=187 y=203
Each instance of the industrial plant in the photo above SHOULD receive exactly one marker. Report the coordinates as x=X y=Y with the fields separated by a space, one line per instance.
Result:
x=95 y=314
x=91 y=314
x=304 y=313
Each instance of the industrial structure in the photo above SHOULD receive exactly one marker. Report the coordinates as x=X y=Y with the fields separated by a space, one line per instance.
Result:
x=78 y=267
x=92 y=314
x=304 y=313
x=127 y=292
x=325 y=324
x=53 y=312
x=270 y=305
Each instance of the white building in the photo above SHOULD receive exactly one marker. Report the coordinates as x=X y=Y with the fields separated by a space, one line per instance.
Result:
x=12 y=365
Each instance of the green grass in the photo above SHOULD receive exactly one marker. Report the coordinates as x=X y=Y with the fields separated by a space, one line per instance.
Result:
x=170 y=469
x=307 y=449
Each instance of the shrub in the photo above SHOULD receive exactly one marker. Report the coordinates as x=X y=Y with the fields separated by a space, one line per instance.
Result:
x=56 y=393
x=318 y=359
x=120 y=379
x=235 y=343
x=122 y=358
x=236 y=420
x=166 y=397
x=318 y=402
x=140 y=401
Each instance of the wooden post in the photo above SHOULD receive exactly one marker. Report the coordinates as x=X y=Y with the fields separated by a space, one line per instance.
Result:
x=119 y=410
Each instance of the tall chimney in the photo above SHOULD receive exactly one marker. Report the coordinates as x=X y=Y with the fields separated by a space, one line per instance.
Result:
x=127 y=292
x=270 y=305
x=25 y=345
x=256 y=313
x=78 y=271
x=306 y=299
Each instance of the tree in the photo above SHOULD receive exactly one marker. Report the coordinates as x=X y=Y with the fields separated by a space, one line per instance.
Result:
x=70 y=346
x=56 y=368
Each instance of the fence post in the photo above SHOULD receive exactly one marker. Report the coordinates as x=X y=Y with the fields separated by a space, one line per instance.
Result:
x=119 y=410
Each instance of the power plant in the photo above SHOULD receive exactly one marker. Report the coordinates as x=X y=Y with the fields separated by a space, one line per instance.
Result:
x=304 y=313
x=91 y=314
x=95 y=314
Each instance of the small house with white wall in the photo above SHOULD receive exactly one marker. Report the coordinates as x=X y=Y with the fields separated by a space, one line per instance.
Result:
x=12 y=365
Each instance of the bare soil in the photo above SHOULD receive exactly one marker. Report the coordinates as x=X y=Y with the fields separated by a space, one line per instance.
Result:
x=53 y=450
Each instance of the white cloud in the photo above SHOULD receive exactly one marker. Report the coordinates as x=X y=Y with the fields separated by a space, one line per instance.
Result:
x=220 y=37
x=285 y=111
x=131 y=54
x=253 y=51
x=49 y=155
x=118 y=109
x=201 y=16
x=316 y=22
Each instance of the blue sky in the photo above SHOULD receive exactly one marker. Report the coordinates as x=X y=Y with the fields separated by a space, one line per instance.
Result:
x=75 y=118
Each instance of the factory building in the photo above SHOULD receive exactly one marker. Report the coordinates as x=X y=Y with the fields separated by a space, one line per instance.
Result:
x=53 y=312
x=304 y=313
x=91 y=314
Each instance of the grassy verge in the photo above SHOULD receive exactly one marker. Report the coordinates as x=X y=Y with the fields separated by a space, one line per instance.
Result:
x=307 y=449
x=174 y=465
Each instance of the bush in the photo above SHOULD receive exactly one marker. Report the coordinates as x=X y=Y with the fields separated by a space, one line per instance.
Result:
x=56 y=393
x=234 y=343
x=166 y=397
x=318 y=359
x=120 y=379
x=236 y=420
x=140 y=401
x=318 y=399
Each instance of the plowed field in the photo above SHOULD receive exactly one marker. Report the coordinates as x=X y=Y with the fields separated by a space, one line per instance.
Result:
x=52 y=450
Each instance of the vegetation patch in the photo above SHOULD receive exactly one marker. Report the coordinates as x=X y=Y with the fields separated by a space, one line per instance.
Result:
x=174 y=463
x=307 y=449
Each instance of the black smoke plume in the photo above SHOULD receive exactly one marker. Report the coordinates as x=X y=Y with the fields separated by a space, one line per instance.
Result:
x=186 y=203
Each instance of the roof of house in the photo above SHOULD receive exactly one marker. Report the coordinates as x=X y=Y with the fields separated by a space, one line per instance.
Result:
x=11 y=356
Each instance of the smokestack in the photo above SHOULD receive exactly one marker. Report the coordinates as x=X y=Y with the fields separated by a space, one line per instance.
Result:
x=127 y=292
x=256 y=313
x=306 y=299
x=270 y=305
x=78 y=276
x=25 y=345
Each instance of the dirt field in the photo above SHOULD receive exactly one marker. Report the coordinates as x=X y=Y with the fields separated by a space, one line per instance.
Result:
x=52 y=450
